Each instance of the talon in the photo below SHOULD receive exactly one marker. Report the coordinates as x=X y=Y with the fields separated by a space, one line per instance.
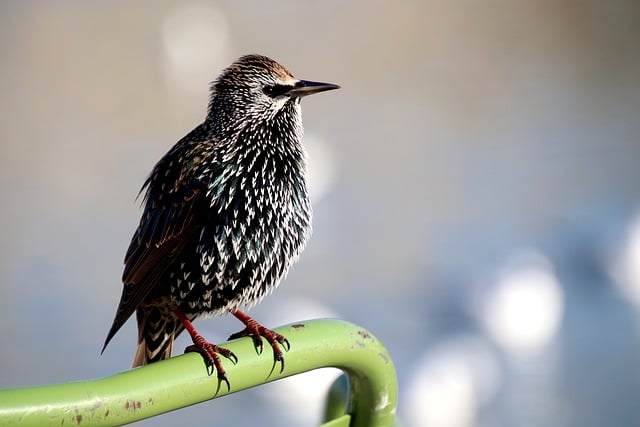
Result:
x=233 y=358
x=210 y=354
x=285 y=344
x=208 y=351
x=247 y=332
x=227 y=354
x=223 y=378
x=279 y=358
x=256 y=331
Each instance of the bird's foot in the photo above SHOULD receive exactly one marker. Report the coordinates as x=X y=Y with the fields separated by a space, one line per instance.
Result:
x=208 y=351
x=256 y=331
x=210 y=354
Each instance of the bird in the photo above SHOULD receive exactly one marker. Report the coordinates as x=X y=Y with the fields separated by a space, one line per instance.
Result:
x=226 y=213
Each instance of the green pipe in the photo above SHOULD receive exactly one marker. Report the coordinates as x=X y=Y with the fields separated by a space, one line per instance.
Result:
x=183 y=381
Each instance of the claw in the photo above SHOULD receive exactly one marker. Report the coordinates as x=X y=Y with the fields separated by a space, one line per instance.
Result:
x=210 y=354
x=256 y=331
x=208 y=351
x=248 y=332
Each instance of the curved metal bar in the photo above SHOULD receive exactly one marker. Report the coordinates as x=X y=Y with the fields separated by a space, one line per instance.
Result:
x=184 y=380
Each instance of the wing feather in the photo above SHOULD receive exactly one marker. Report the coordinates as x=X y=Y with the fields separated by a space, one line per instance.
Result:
x=175 y=197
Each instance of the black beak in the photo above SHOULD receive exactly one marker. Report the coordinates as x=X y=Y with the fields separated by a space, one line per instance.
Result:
x=304 y=88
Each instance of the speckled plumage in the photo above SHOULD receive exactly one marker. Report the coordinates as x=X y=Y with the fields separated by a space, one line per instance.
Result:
x=226 y=210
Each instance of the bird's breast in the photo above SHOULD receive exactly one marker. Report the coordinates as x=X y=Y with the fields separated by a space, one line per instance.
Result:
x=251 y=240
x=260 y=220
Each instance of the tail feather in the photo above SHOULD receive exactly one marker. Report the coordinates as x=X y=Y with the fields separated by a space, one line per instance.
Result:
x=144 y=354
x=156 y=332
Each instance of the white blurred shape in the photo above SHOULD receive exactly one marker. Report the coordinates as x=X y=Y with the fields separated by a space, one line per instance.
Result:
x=524 y=310
x=451 y=382
x=626 y=270
x=196 y=40
x=321 y=166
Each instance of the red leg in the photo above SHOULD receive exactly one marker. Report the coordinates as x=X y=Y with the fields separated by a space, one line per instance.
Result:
x=256 y=331
x=207 y=350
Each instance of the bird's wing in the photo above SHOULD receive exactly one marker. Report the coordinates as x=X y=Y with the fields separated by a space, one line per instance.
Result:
x=174 y=194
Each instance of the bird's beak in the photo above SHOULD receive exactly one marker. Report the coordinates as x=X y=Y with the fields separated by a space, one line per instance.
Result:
x=305 y=87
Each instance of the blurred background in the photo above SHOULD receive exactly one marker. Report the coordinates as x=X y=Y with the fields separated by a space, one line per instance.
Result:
x=476 y=187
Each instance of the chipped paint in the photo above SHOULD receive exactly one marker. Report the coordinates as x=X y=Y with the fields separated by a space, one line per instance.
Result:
x=132 y=405
x=364 y=334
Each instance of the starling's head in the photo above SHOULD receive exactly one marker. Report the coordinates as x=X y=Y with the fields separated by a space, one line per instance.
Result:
x=256 y=88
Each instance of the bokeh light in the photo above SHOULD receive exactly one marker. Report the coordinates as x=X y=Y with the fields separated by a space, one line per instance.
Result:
x=320 y=166
x=523 y=311
x=196 y=43
x=625 y=269
x=451 y=381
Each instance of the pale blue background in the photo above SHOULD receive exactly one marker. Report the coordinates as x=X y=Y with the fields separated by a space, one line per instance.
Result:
x=466 y=132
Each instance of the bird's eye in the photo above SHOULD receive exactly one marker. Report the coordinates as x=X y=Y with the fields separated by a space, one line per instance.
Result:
x=276 y=90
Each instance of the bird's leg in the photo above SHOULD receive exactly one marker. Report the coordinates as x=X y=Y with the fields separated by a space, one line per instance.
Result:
x=206 y=349
x=256 y=331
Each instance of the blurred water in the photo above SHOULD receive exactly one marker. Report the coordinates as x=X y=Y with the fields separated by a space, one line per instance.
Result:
x=465 y=133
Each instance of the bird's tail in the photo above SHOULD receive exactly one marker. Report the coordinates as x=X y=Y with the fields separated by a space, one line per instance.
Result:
x=156 y=332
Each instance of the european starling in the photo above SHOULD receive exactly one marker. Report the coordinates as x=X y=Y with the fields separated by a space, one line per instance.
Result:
x=226 y=213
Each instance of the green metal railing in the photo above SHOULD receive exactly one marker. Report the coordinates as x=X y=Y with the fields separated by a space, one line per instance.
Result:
x=182 y=381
